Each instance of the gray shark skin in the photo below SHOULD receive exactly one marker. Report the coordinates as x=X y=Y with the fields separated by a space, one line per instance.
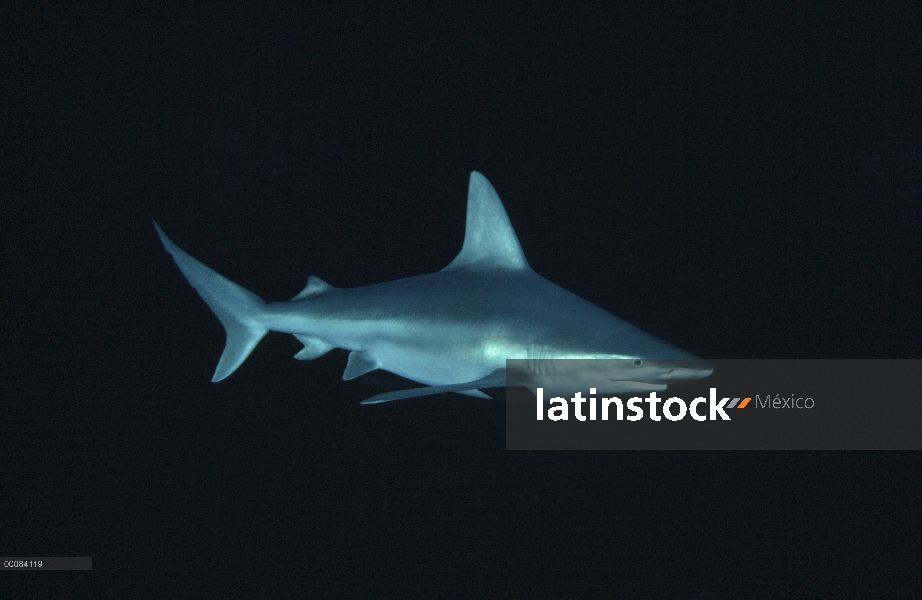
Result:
x=453 y=330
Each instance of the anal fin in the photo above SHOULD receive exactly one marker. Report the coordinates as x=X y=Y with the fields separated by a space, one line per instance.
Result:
x=359 y=364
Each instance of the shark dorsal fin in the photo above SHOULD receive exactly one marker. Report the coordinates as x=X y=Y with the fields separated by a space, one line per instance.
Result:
x=489 y=240
x=314 y=286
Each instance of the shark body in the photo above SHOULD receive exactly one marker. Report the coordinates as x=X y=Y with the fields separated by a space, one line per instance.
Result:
x=453 y=330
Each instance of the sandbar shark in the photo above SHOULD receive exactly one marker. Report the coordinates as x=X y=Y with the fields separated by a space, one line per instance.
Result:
x=451 y=331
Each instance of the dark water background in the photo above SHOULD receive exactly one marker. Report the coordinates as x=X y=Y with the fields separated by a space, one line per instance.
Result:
x=742 y=183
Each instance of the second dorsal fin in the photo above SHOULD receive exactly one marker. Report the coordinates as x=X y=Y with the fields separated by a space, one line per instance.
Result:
x=314 y=286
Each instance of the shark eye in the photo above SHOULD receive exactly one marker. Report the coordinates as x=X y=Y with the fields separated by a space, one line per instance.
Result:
x=638 y=362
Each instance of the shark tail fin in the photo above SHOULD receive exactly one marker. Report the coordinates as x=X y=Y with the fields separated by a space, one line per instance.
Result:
x=238 y=309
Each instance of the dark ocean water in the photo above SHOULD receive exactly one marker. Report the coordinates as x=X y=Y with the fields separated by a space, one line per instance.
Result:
x=741 y=184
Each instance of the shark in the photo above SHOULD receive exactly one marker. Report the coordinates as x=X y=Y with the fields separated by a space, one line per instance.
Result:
x=451 y=331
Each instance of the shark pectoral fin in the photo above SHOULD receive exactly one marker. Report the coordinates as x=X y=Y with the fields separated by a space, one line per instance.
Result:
x=495 y=379
x=359 y=364
x=475 y=394
x=313 y=347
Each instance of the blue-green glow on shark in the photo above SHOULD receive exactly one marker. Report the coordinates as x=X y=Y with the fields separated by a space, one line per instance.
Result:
x=453 y=330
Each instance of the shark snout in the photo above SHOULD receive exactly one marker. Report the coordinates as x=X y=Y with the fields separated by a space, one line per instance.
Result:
x=678 y=370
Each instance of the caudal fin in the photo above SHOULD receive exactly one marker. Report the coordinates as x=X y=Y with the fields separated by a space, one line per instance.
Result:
x=238 y=310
